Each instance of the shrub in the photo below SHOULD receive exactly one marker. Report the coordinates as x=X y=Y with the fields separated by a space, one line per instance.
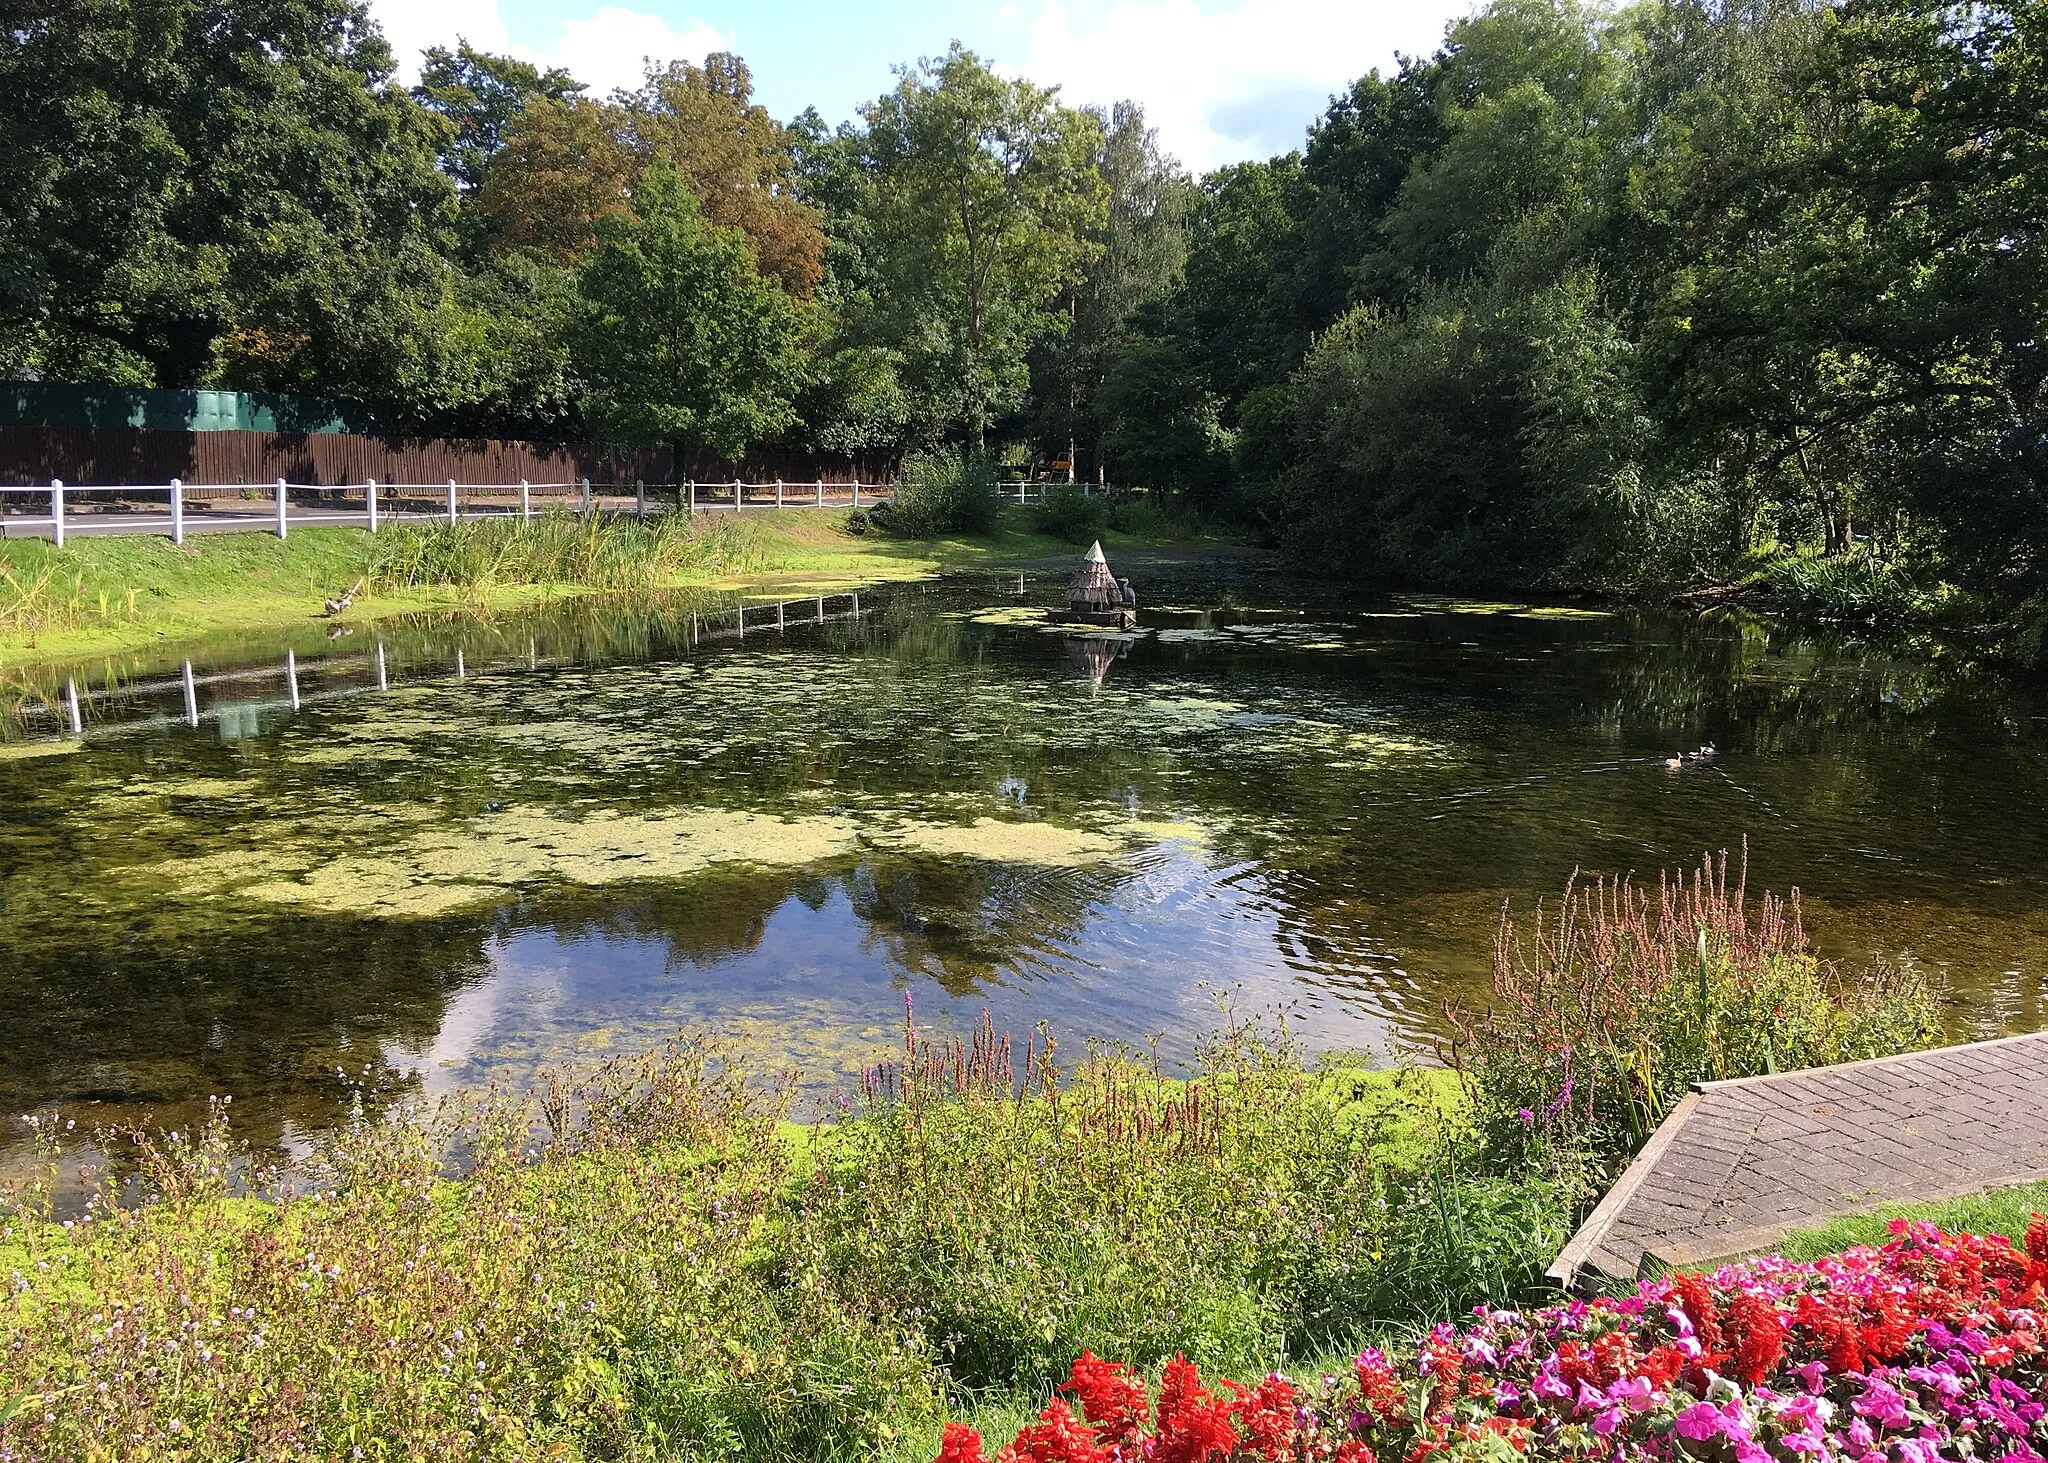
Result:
x=650 y=1262
x=1065 y=513
x=943 y=492
x=1619 y=1003
x=858 y=523
x=1853 y=588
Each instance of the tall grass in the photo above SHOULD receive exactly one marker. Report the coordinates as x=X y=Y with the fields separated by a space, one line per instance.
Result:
x=649 y=1260
x=1621 y=1000
x=595 y=551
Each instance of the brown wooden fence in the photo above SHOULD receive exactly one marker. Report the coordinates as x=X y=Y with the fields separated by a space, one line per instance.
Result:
x=118 y=456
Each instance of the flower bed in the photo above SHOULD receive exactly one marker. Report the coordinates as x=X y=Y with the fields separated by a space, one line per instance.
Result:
x=1929 y=1348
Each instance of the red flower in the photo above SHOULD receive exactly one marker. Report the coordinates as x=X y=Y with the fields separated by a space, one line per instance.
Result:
x=1057 y=1437
x=1265 y=1415
x=1113 y=1398
x=961 y=1444
x=1194 y=1425
x=1758 y=1334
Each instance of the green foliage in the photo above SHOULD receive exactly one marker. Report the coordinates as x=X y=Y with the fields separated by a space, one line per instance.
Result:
x=981 y=193
x=556 y=548
x=1619 y=1003
x=201 y=193
x=647 y=1260
x=942 y=492
x=1067 y=513
x=681 y=339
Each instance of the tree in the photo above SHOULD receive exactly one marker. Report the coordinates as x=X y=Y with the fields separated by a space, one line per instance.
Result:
x=202 y=192
x=565 y=167
x=481 y=96
x=700 y=121
x=682 y=340
x=985 y=192
x=1137 y=256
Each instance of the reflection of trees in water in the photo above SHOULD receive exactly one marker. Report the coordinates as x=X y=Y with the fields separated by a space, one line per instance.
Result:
x=1370 y=861
x=272 y=1009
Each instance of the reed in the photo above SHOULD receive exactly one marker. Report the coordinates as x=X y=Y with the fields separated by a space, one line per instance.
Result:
x=1622 y=998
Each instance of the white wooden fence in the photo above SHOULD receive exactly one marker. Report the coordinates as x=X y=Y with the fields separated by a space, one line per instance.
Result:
x=140 y=705
x=70 y=509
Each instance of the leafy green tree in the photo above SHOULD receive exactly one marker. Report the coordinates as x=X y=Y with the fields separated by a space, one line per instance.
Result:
x=681 y=339
x=481 y=95
x=985 y=191
x=1138 y=255
x=207 y=193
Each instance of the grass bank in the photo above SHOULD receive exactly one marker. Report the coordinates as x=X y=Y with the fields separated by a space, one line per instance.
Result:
x=101 y=595
x=651 y=1261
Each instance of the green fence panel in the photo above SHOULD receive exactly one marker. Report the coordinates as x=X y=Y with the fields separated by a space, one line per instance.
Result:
x=62 y=404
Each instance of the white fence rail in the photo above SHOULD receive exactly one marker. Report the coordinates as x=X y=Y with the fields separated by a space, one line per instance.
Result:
x=280 y=506
x=278 y=685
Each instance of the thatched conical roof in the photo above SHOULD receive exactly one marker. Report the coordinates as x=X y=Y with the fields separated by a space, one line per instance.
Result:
x=1093 y=587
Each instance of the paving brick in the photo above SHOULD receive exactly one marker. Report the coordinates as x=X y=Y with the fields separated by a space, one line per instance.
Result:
x=1799 y=1149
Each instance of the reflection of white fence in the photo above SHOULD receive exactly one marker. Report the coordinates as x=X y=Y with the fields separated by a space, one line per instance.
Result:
x=371 y=671
x=280 y=506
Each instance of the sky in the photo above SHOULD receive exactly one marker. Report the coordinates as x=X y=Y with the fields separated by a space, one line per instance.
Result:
x=1221 y=80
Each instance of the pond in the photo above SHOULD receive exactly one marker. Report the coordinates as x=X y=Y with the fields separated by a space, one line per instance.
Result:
x=439 y=853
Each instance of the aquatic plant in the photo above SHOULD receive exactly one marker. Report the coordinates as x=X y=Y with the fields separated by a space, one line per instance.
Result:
x=1931 y=1347
x=597 y=551
x=1621 y=1000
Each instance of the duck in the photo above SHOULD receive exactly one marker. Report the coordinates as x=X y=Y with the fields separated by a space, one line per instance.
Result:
x=1705 y=752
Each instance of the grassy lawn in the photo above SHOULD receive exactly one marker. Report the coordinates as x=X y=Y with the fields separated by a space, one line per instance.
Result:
x=2002 y=1211
x=101 y=595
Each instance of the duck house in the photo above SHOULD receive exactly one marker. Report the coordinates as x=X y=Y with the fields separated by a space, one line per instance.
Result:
x=1095 y=596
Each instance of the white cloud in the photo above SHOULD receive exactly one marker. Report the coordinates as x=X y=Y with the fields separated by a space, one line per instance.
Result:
x=607 y=49
x=1222 y=85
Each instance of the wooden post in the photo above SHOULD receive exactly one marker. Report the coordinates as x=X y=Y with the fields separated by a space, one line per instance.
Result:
x=778 y=492
x=856 y=490
x=743 y=622
x=191 y=698
x=461 y=670
x=71 y=704
x=280 y=508
x=1020 y=490
x=693 y=495
x=780 y=622
x=821 y=609
x=586 y=497
x=739 y=496
x=525 y=502
x=451 y=502
x=57 y=510
x=291 y=677
x=177 y=511
x=821 y=492
x=640 y=497
x=370 y=499
x=383 y=683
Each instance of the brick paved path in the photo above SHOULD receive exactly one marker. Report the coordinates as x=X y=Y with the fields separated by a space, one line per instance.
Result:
x=1739 y=1164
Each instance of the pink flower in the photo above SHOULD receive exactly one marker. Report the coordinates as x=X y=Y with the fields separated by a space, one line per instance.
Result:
x=1699 y=1422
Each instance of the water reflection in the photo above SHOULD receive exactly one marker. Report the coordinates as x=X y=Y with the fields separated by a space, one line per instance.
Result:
x=455 y=848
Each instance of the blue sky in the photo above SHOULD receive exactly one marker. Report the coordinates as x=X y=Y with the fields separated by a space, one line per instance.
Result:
x=1222 y=80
